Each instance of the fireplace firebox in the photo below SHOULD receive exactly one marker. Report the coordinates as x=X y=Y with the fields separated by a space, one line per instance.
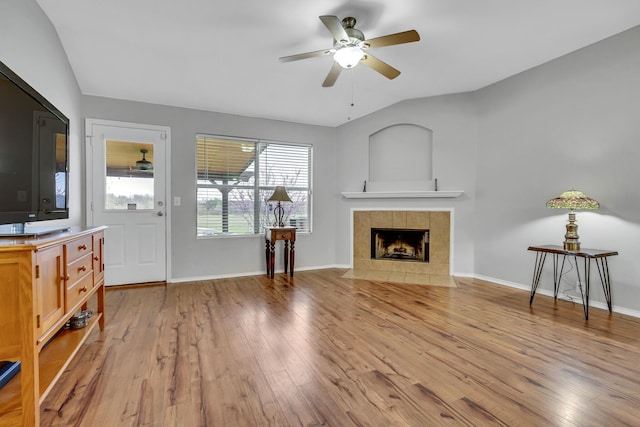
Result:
x=400 y=244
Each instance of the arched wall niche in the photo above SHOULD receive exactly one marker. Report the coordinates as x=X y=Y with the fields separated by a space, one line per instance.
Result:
x=401 y=158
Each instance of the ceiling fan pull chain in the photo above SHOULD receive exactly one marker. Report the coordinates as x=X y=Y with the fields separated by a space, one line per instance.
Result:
x=352 y=87
x=352 y=103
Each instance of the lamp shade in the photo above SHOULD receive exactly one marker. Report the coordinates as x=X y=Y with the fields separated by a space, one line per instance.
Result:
x=348 y=56
x=279 y=195
x=573 y=200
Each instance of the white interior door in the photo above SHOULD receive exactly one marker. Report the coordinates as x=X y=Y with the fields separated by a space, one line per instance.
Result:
x=127 y=192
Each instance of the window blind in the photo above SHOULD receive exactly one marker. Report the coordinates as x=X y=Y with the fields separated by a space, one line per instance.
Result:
x=236 y=177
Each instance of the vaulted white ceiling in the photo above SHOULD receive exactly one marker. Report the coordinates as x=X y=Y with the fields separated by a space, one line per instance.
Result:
x=223 y=55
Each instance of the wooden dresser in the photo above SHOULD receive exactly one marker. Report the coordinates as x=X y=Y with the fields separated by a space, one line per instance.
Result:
x=43 y=282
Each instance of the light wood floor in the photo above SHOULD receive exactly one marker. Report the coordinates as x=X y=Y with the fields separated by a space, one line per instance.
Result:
x=322 y=350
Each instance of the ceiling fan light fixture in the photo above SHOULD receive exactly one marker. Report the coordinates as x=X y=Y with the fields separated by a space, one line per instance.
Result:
x=348 y=56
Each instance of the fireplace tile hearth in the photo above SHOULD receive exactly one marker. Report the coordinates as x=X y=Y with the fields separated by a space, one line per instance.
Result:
x=401 y=277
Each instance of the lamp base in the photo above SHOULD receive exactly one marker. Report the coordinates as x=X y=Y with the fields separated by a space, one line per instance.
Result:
x=571 y=242
x=278 y=213
x=571 y=246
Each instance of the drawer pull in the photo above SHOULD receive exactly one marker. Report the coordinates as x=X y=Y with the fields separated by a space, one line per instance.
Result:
x=82 y=247
x=82 y=289
x=95 y=258
x=66 y=278
x=83 y=268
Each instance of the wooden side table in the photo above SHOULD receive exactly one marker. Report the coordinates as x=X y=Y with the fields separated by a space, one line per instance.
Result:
x=598 y=255
x=273 y=234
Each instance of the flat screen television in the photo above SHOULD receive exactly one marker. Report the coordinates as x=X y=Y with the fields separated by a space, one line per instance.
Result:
x=34 y=154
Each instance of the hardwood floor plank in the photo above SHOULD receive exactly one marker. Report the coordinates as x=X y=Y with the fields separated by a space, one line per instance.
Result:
x=406 y=405
x=318 y=349
x=292 y=403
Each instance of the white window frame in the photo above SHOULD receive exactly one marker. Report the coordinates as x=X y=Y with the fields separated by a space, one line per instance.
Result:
x=260 y=189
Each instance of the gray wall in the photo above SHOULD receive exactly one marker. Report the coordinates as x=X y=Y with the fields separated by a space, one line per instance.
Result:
x=572 y=122
x=29 y=45
x=223 y=256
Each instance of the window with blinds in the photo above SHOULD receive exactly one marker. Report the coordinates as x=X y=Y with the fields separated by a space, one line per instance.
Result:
x=235 y=178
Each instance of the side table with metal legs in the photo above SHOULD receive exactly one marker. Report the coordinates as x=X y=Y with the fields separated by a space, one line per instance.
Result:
x=600 y=258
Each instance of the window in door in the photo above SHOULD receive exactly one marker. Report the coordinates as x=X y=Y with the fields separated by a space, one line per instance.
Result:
x=129 y=176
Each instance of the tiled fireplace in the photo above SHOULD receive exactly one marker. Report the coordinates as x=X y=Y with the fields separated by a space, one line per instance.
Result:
x=408 y=233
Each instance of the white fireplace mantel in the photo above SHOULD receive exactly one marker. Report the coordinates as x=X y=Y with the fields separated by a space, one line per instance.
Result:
x=401 y=194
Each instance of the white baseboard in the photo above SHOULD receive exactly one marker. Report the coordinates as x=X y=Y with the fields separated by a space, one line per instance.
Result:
x=341 y=266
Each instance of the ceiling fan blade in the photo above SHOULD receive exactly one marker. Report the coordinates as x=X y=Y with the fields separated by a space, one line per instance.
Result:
x=306 y=55
x=335 y=27
x=382 y=67
x=391 y=39
x=332 y=76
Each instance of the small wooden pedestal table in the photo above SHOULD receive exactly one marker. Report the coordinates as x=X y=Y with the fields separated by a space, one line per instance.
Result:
x=600 y=257
x=273 y=234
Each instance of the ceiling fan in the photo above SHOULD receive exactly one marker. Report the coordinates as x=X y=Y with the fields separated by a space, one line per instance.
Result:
x=350 y=48
x=143 y=164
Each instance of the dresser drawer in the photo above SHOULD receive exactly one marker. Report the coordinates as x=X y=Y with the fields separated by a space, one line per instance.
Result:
x=78 y=248
x=79 y=268
x=77 y=291
x=286 y=234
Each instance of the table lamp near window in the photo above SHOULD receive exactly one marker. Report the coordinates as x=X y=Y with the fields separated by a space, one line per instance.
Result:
x=279 y=195
x=572 y=200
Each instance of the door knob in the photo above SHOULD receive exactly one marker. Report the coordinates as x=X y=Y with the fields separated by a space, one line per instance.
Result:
x=160 y=213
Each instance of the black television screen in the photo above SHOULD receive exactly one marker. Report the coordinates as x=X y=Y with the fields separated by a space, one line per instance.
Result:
x=33 y=154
